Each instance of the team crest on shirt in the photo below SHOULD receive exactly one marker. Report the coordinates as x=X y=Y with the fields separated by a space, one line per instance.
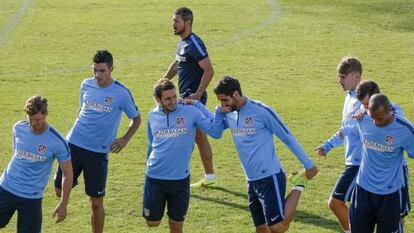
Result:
x=41 y=149
x=182 y=50
x=108 y=100
x=180 y=121
x=389 y=140
x=248 y=121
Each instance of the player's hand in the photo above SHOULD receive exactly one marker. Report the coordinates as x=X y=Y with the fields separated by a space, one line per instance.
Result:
x=118 y=145
x=194 y=96
x=311 y=172
x=320 y=151
x=60 y=213
x=187 y=101
x=225 y=109
x=359 y=114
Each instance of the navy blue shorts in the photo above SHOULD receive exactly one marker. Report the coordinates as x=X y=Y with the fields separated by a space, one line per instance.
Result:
x=267 y=199
x=405 y=195
x=174 y=193
x=369 y=209
x=29 y=218
x=188 y=92
x=95 y=170
x=345 y=184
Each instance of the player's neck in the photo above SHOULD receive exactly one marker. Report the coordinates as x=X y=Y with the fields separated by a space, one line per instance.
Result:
x=241 y=102
x=40 y=130
x=185 y=34
x=106 y=84
x=390 y=119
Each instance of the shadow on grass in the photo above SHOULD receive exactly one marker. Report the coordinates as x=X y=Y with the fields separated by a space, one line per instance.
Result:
x=224 y=202
x=316 y=220
x=301 y=216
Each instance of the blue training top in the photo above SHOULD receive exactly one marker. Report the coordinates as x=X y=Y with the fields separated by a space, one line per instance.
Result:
x=381 y=169
x=100 y=114
x=252 y=129
x=189 y=52
x=29 y=170
x=351 y=139
x=171 y=137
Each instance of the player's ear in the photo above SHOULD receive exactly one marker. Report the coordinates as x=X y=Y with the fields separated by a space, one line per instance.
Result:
x=158 y=100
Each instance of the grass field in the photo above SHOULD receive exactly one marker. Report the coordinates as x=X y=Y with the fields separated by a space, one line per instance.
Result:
x=284 y=53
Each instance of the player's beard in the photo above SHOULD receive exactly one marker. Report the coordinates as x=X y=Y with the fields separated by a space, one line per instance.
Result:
x=170 y=107
x=178 y=32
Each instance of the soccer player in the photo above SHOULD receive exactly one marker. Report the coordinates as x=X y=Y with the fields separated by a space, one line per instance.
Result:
x=92 y=137
x=36 y=144
x=349 y=73
x=195 y=71
x=376 y=199
x=364 y=91
x=171 y=135
x=252 y=125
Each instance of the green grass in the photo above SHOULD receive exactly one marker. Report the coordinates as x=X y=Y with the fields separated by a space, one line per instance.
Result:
x=284 y=53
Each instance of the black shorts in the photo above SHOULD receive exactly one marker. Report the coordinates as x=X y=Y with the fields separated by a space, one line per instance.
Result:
x=346 y=182
x=29 y=212
x=95 y=170
x=158 y=193
x=267 y=199
x=370 y=209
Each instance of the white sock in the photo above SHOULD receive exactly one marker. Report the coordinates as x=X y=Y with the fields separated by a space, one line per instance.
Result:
x=348 y=231
x=299 y=188
x=210 y=176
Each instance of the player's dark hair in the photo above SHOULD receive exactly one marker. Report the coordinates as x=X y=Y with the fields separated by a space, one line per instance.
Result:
x=185 y=13
x=379 y=100
x=366 y=88
x=35 y=104
x=163 y=84
x=227 y=85
x=103 y=56
x=348 y=65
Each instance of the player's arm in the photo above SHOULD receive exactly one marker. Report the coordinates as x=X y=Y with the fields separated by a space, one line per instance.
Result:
x=209 y=123
x=172 y=70
x=67 y=180
x=336 y=140
x=276 y=125
x=208 y=73
x=121 y=142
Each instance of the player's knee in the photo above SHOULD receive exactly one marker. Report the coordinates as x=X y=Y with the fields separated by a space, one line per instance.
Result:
x=58 y=192
x=153 y=223
x=262 y=229
x=280 y=227
x=96 y=204
x=176 y=226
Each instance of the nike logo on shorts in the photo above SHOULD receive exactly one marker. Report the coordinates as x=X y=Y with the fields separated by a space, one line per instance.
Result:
x=274 y=218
